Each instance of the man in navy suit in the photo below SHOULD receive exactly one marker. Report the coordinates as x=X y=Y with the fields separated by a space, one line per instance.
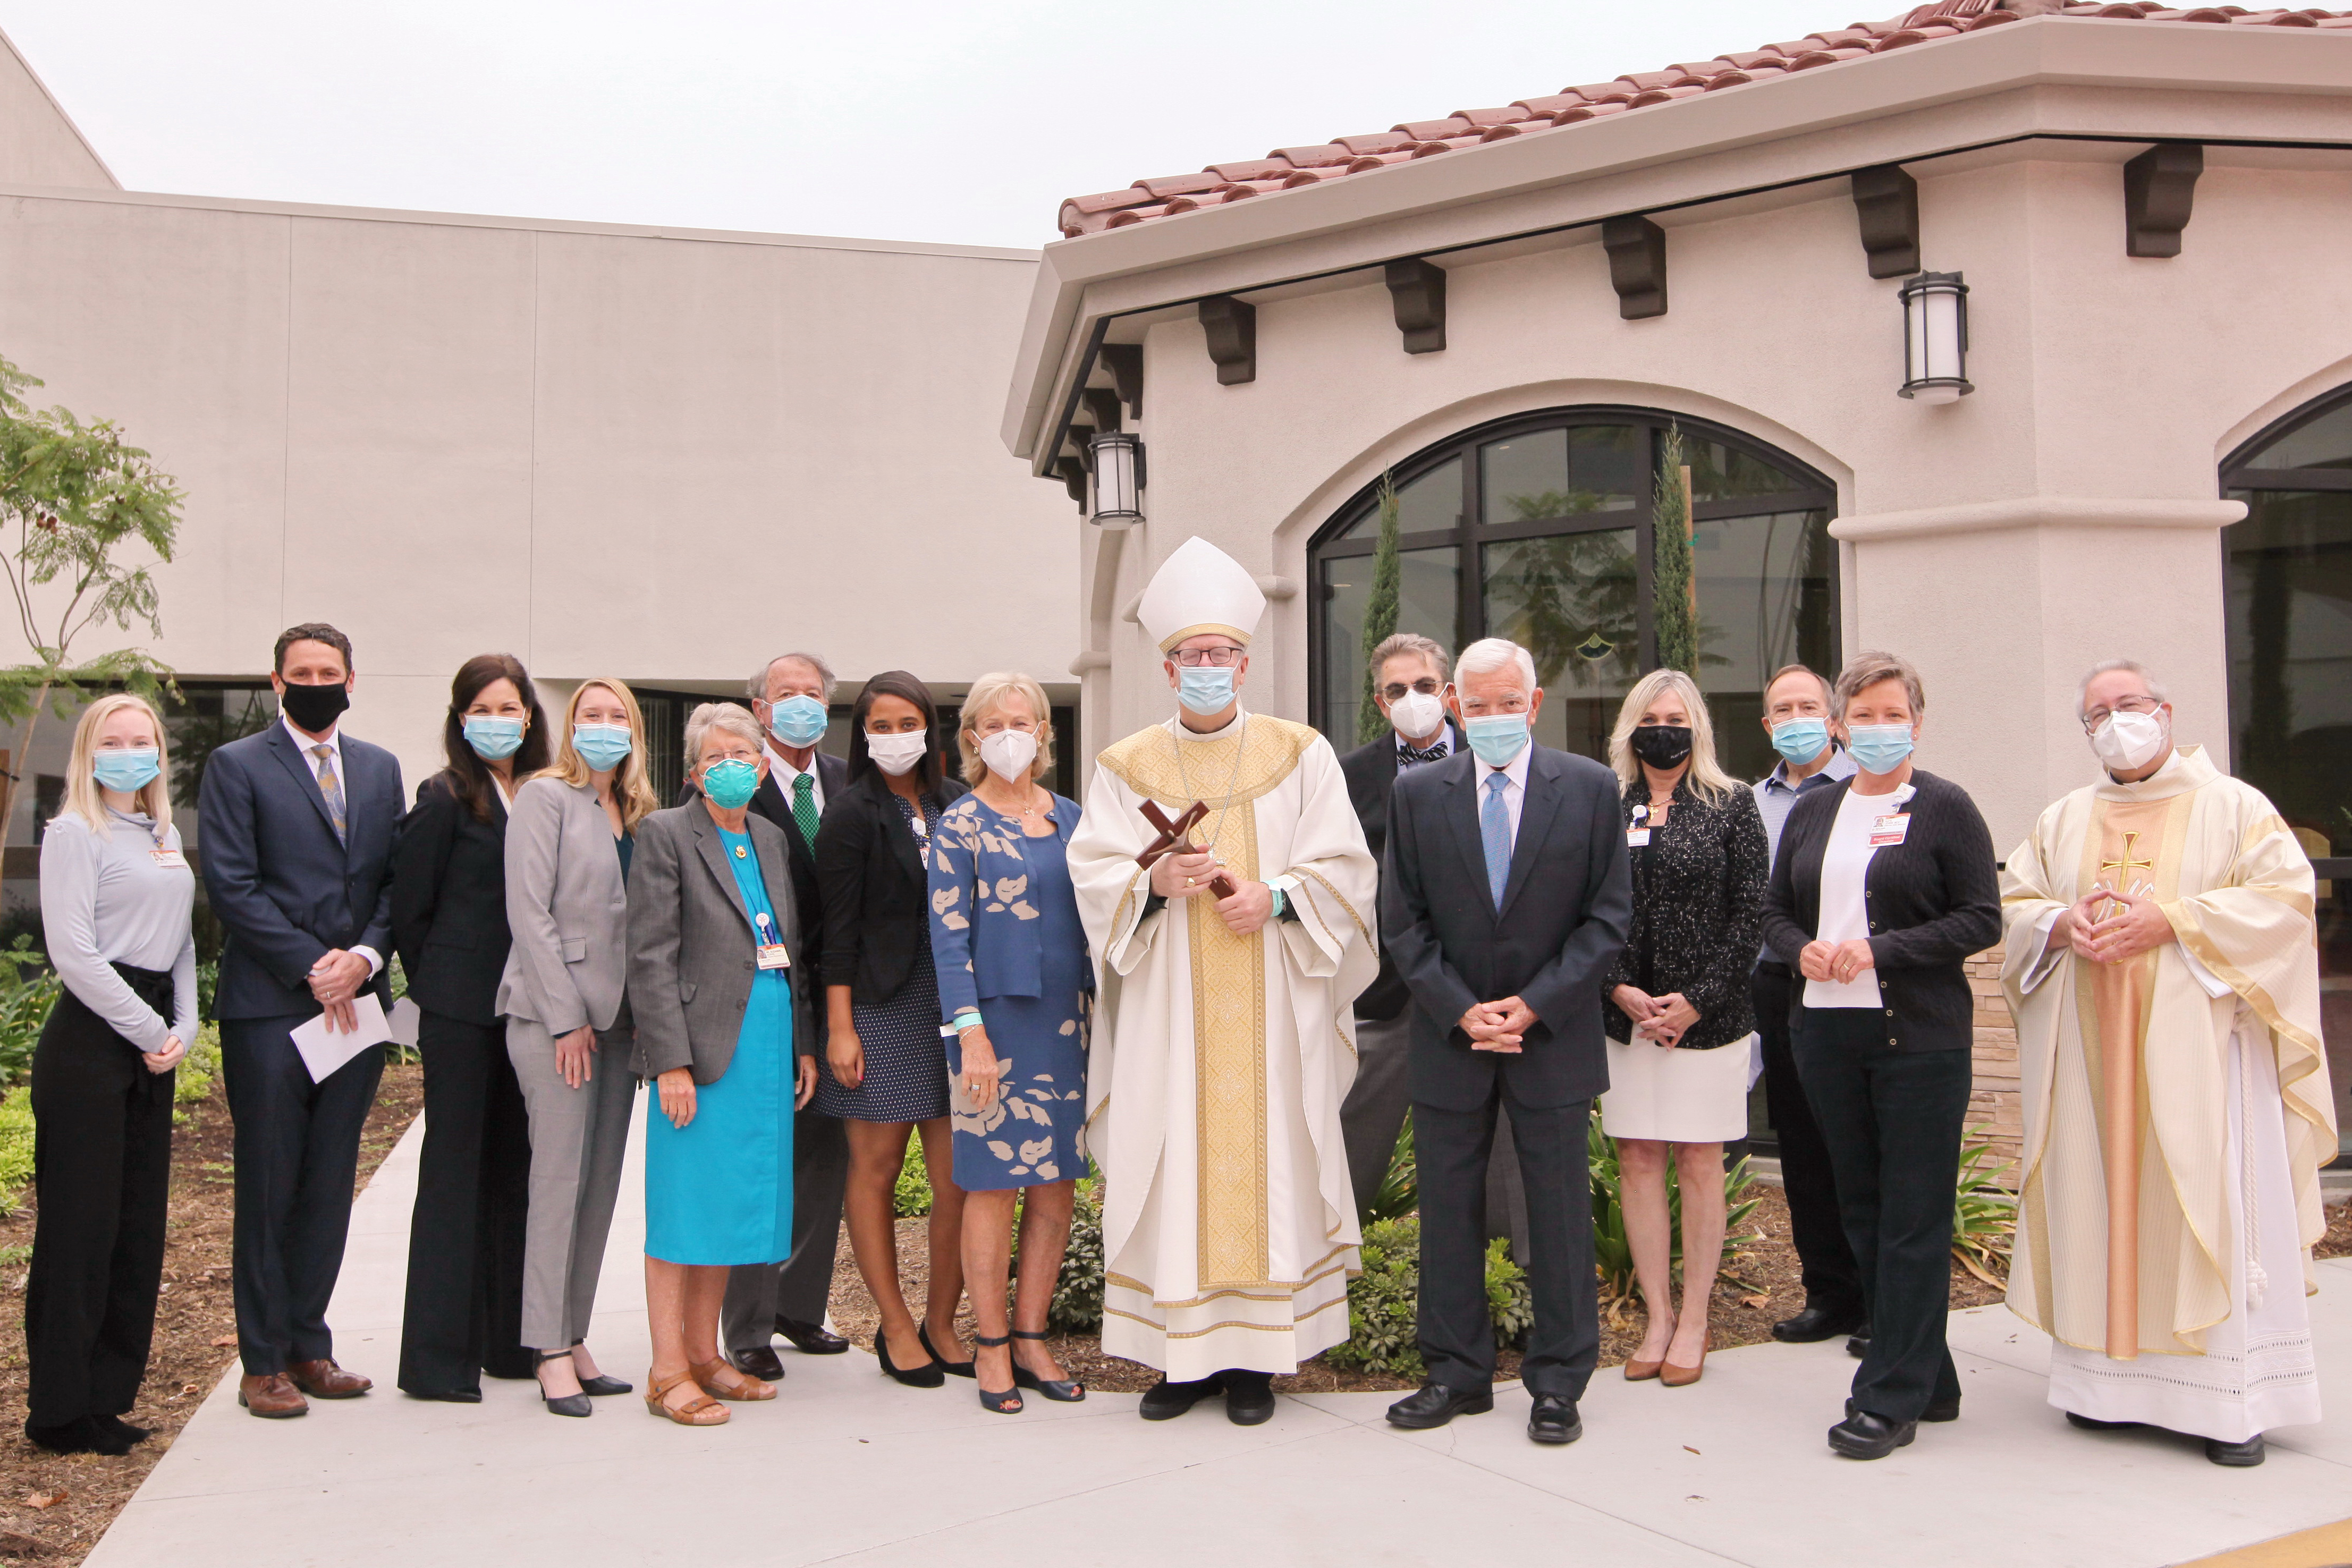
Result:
x=1506 y=897
x=296 y=828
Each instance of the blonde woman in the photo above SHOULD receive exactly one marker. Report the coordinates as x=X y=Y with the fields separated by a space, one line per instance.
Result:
x=1016 y=989
x=116 y=894
x=1680 y=1020
x=570 y=833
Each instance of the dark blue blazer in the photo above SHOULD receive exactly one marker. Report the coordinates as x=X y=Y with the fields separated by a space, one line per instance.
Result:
x=1566 y=910
x=286 y=892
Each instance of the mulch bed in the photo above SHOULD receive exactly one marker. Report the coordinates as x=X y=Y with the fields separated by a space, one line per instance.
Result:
x=195 y=1336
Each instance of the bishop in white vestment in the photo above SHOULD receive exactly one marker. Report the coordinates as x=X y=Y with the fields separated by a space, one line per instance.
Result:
x=2161 y=963
x=1223 y=1036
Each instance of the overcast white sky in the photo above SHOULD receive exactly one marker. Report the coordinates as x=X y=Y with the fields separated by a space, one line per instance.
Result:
x=901 y=120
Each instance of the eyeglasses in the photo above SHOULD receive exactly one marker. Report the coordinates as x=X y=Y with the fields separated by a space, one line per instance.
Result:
x=2099 y=716
x=1222 y=658
x=1427 y=686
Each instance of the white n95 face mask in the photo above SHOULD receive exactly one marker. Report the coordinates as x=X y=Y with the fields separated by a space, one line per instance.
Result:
x=1416 y=714
x=1009 y=753
x=894 y=754
x=2128 y=740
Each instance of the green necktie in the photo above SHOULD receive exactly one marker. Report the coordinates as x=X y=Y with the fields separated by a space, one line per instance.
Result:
x=804 y=807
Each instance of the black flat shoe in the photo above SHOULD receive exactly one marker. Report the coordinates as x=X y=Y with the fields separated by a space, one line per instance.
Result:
x=1166 y=1400
x=74 y=1437
x=1941 y=1410
x=811 y=1339
x=1249 y=1397
x=1866 y=1436
x=952 y=1368
x=931 y=1374
x=2238 y=1455
x=1857 y=1343
x=123 y=1429
x=561 y=1404
x=1435 y=1405
x=1061 y=1390
x=2092 y=1424
x=1814 y=1324
x=447 y=1396
x=1554 y=1420
x=1004 y=1401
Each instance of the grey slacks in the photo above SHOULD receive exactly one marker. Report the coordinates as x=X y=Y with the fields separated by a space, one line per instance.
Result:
x=801 y=1287
x=1374 y=1111
x=577 y=1139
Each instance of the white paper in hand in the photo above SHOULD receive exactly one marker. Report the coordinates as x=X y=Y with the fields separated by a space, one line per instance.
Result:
x=322 y=1052
x=401 y=1021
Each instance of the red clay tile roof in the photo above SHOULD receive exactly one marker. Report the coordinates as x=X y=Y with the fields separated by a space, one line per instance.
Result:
x=1288 y=168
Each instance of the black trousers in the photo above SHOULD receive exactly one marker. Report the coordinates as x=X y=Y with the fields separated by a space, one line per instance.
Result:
x=1457 y=1336
x=800 y=1287
x=297 y=1152
x=1832 y=1282
x=464 y=1314
x=101 y=1178
x=1894 y=1120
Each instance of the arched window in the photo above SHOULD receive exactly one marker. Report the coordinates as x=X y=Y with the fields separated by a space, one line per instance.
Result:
x=1540 y=529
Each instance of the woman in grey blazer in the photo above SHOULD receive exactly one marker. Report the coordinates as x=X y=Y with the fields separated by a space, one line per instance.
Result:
x=568 y=845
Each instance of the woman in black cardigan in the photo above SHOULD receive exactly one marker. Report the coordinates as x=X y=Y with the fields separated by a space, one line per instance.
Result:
x=464 y=1314
x=1680 y=1021
x=1884 y=887
x=883 y=1072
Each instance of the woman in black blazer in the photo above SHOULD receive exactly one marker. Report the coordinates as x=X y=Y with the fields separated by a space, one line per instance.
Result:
x=883 y=1071
x=1884 y=887
x=464 y=1314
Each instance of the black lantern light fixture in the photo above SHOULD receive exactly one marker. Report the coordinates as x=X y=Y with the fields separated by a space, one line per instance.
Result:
x=1115 y=469
x=1936 y=337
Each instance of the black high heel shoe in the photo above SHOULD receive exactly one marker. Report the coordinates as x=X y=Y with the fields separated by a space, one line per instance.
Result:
x=1061 y=1390
x=952 y=1368
x=928 y=1375
x=1008 y=1401
x=562 y=1404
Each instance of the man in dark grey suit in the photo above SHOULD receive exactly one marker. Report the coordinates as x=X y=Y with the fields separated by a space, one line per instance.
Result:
x=296 y=841
x=1505 y=896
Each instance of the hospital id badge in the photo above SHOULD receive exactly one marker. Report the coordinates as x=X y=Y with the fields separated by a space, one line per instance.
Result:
x=1636 y=837
x=771 y=946
x=1889 y=828
x=169 y=860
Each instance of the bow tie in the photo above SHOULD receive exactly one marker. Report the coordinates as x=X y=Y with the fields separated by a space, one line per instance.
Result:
x=1407 y=756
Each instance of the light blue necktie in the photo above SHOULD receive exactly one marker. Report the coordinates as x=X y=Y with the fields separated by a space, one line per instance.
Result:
x=1494 y=827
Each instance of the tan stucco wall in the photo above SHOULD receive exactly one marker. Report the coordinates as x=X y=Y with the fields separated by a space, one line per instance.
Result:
x=40 y=144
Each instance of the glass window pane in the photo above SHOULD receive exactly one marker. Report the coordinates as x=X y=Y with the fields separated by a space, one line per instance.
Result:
x=1767 y=591
x=2325 y=442
x=1431 y=504
x=1427 y=597
x=1570 y=602
x=1563 y=473
x=1724 y=473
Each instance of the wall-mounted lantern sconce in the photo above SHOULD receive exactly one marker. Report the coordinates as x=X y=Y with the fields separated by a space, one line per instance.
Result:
x=1936 y=337
x=1115 y=459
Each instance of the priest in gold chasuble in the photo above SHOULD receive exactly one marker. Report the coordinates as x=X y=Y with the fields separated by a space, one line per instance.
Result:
x=1224 y=1034
x=2161 y=962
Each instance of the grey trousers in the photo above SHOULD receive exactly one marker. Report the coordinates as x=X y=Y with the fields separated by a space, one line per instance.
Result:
x=1374 y=1111
x=800 y=1287
x=577 y=1139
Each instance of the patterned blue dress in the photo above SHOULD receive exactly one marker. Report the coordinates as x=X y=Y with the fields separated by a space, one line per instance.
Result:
x=1006 y=939
x=720 y=1189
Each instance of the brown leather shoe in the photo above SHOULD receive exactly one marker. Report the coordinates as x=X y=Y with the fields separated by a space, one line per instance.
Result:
x=322 y=1379
x=270 y=1397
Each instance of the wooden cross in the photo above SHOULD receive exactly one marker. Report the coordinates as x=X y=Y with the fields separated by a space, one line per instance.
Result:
x=2126 y=865
x=1176 y=837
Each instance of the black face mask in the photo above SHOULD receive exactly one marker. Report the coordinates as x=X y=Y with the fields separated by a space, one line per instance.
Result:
x=314 y=709
x=1661 y=745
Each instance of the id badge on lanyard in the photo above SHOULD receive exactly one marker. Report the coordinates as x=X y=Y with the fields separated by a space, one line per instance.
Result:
x=1638 y=835
x=771 y=946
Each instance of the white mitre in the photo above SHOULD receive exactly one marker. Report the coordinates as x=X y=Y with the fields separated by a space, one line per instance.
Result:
x=1200 y=589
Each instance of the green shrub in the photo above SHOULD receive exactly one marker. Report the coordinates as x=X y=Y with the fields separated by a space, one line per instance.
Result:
x=28 y=990
x=1984 y=1211
x=197 y=1071
x=1399 y=1190
x=1078 y=1294
x=1382 y=1300
x=912 y=1196
x=16 y=1147
x=1611 y=1252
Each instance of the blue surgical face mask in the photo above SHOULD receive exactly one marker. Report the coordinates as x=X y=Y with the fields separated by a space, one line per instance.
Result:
x=1878 y=747
x=493 y=739
x=797 y=720
x=129 y=771
x=1206 y=688
x=1801 y=740
x=1497 y=738
x=731 y=782
x=601 y=745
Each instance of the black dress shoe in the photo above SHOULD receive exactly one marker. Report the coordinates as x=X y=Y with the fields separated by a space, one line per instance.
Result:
x=121 y=1429
x=1814 y=1324
x=1435 y=1405
x=1941 y=1410
x=1857 y=1343
x=952 y=1368
x=928 y=1375
x=1555 y=1420
x=2092 y=1424
x=78 y=1435
x=811 y=1339
x=1166 y=1400
x=759 y=1360
x=1865 y=1436
x=2238 y=1455
x=1249 y=1397
x=447 y=1396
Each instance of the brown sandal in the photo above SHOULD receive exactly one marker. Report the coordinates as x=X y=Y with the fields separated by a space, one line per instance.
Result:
x=700 y=1411
x=722 y=1379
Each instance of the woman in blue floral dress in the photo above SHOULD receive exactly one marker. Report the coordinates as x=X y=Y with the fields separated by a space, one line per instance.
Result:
x=1016 y=989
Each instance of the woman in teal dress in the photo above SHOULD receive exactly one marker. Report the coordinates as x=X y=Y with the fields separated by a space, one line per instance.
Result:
x=726 y=1036
x=1016 y=989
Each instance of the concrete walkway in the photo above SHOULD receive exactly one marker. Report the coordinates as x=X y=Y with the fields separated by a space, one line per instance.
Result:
x=847 y=1467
